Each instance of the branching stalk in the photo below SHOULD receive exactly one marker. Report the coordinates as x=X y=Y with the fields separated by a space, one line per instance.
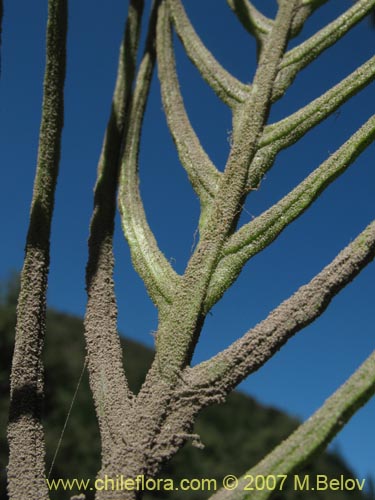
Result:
x=228 y=89
x=252 y=20
x=305 y=9
x=302 y=55
x=189 y=299
x=156 y=272
x=264 y=229
x=290 y=129
x=202 y=172
x=312 y=437
x=286 y=132
x=140 y=432
x=228 y=368
x=111 y=394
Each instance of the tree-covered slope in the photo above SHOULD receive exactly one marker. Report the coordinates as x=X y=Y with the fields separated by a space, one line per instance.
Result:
x=236 y=434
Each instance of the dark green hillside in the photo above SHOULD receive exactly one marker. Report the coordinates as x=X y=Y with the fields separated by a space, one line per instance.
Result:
x=236 y=435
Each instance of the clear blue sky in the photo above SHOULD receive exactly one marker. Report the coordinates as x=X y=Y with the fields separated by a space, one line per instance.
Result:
x=318 y=360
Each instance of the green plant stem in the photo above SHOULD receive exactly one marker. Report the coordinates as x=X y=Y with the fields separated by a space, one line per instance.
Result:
x=312 y=437
x=202 y=173
x=156 y=272
x=228 y=89
x=256 y=235
x=302 y=55
x=228 y=368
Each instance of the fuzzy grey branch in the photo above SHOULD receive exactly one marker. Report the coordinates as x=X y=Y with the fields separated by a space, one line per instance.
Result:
x=229 y=89
x=202 y=172
x=107 y=378
x=302 y=55
x=189 y=298
x=26 y=469
x=305 y=9
x=159 y=277
x=286 y=132
x=140 y=432
x=227 y=369
x=264 y=229
x=260 y=26
x=290 y=129
x=312 y=437
x=252 y=20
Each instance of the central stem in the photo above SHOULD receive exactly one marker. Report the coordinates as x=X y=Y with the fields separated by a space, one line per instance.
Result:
x=180 y=326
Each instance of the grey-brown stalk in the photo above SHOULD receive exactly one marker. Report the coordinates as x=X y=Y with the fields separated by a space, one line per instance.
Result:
x=139 y=432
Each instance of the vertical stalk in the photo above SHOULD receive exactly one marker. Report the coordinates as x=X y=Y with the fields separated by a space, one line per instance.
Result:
x=26 y=469
x=108 y=383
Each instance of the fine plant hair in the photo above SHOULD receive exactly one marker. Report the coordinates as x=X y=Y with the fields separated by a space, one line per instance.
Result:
x=140 y=432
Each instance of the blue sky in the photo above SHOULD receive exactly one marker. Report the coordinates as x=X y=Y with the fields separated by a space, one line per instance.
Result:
x=312 y=365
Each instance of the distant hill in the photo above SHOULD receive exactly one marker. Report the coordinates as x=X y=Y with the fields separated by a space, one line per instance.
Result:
x=236 y=435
